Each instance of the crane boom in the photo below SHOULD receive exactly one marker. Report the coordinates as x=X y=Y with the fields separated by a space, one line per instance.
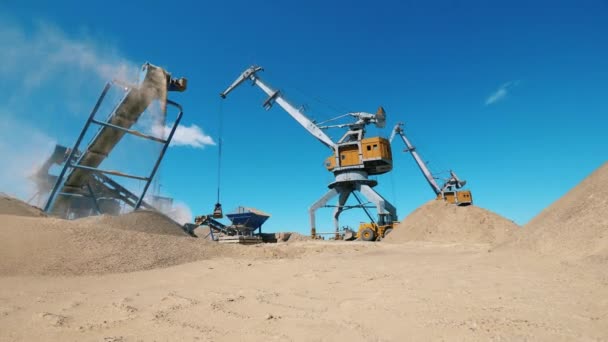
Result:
x=398 y=130
x=276 y=96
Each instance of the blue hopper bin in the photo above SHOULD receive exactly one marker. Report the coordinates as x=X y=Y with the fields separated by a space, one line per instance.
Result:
x=248 y=217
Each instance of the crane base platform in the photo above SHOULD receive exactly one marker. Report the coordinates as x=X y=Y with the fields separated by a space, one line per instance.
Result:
x=240 y=239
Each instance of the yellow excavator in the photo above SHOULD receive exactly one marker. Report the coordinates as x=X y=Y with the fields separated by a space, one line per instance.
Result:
x=450 y=191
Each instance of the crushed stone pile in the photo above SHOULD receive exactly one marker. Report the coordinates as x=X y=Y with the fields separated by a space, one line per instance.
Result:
x=576 y=225
x=438 y=221
x=13 y=206
x=141 y=221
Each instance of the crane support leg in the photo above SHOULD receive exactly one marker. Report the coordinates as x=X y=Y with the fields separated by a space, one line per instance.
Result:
x=344 y=194
x=383 y=206
x=319 y=204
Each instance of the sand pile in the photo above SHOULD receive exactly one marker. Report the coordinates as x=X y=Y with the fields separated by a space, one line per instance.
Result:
x=574 y=226
x=94 y=245
x=138 y=241
x=55 y=247
x=13 y=206
x=141 y=221
x=51 y=246
x=439 y=221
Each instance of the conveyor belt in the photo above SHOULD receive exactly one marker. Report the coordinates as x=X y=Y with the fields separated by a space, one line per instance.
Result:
x=126 y=114
x=111 y=187
x=216 y=225
x=153 y=85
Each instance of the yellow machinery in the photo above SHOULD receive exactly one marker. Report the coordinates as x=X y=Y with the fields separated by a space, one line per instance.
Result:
x=449 y=192
x=370 y=231
x=374 y=154
x=459 y=197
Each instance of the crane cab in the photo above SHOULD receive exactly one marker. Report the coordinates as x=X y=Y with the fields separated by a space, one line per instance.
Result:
x=374 y=155
x=461 y=198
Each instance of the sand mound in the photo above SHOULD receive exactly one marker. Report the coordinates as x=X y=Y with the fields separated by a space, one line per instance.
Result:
x=439 y=221
x=140 y=221
x=574 y=226
x=51 y=246
x=13 y=206
x=56 y=247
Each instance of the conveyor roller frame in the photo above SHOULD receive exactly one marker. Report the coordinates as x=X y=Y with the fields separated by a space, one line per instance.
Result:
x=73 y=160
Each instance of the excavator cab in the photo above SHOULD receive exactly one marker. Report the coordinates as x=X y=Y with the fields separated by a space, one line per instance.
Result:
x=217 y=211
x=461 y=198
x=451 y=195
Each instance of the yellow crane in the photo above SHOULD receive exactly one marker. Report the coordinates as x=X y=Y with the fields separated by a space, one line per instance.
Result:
x=449 y=192
x=354 y=157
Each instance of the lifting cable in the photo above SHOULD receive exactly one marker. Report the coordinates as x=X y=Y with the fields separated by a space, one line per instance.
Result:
x=217 y=211
x=394 y=192
x=363 y=207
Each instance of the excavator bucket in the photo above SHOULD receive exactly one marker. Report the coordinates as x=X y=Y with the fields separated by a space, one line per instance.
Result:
x=349 y=235
x=179 y=84
x=217 y=211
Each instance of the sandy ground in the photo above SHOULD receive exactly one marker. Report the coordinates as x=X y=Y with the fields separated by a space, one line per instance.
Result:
x=332 y=292
x=445 y=274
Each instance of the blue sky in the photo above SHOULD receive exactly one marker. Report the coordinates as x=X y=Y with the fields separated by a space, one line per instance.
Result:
x=511 y=95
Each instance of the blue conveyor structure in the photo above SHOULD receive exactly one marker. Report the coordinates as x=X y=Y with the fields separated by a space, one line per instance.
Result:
x=81 y=176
